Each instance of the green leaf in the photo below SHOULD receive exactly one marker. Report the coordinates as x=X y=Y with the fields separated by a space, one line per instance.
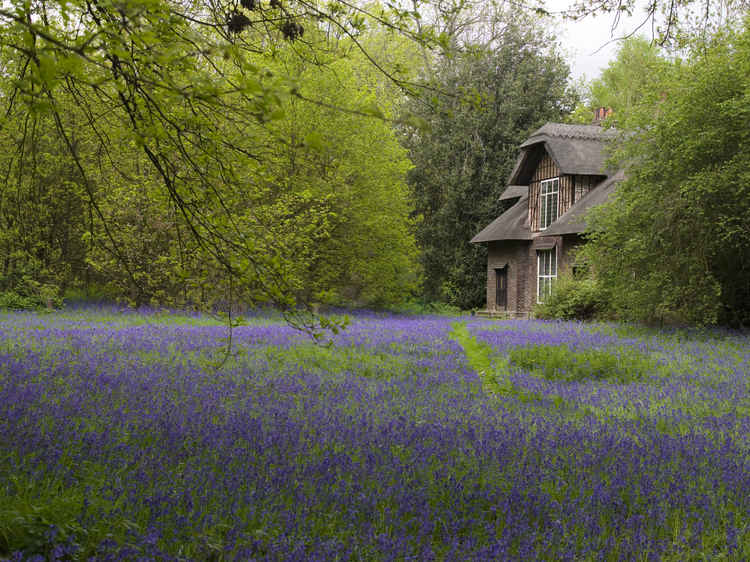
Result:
x=314 y=140
x=372 y=108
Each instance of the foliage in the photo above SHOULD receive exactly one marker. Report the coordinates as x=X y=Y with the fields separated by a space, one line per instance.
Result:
x=167 y=159
x=559 y=362
x=491 y=96
x=357 y=168
x=13 y=301
x=574 y=299
x=42 y=207
x=627 y=82
x=673 y=244
x=40 y=519
x=142 y=146
x=672 y=22
x=30 y=295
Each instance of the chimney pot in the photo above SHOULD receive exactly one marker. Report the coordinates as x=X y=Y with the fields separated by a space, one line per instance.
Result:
x=601 y=114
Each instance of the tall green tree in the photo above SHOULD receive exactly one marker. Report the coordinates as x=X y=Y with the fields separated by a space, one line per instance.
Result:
x=177 y=100
x=626 y=81
x=490 y=98
x=356 y=168
x=44 y=211
x=673 y=243
x=291 y=191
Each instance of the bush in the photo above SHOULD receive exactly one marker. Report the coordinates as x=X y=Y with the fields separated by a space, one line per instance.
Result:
x=93 y=293
x=33 y=295
x=574 y=299
x=14 y=301
x=556 y=362
x=419 y=307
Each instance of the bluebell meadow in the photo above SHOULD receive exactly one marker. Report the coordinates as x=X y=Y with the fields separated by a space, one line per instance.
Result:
x=133 y=437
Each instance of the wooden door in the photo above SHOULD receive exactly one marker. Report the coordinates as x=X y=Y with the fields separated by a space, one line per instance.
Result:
x=501 y=288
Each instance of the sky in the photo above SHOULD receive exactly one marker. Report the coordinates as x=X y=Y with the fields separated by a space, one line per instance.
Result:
x=588 y=43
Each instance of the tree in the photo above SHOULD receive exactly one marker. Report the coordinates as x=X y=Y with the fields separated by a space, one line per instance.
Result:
x=177 y=126
x=674 y=243
x=356 y=166
x=186 y=91
x=43 y=208
x=625 y=81
x=670 y=22
x=490 y=98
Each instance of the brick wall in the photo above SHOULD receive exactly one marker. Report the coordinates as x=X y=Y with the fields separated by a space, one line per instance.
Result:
x=512 y=254
x=519 y=256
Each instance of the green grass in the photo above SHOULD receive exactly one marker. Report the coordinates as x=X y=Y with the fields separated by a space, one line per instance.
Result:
x=558 y=362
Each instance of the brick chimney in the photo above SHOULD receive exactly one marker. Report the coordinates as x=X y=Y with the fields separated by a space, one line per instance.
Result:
x=600 y=114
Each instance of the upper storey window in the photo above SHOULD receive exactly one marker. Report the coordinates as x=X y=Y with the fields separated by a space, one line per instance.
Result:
x=549 y=191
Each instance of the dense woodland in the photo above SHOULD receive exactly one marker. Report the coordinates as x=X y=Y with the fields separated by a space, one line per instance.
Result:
x=182 y=153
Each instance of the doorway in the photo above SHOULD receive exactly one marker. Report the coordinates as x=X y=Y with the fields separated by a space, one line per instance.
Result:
x=501 y=287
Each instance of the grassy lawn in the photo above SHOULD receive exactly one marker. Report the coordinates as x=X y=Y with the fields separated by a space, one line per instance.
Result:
x=130 y=436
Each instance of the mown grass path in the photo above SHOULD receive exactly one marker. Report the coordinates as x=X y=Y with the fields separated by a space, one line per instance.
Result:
x=489 y=369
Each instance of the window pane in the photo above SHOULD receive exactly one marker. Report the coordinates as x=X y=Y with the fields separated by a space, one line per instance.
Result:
x=548 y=202
x=553 y=209
x=546 y=272
x=553 y=262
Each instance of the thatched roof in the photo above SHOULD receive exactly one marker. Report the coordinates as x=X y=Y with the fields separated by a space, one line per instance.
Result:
x=576 y=149
x=513 y=191
x=513 y=224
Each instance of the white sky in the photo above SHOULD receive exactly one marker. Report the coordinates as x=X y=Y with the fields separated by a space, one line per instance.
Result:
x=588 y=43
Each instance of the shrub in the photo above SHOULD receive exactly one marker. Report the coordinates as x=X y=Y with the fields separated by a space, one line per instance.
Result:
x=93 y=293
x=32 y=296
x=574 y=299
x=14 y=301
x=419 y=307
x=562 y=363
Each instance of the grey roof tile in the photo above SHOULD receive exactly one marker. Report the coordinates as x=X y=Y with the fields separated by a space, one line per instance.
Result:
x=577 y=149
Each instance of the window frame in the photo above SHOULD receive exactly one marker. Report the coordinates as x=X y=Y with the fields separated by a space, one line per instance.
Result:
x=548 y=278
x=549 y=200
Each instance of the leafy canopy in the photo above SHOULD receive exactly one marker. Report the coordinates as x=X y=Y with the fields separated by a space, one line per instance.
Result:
x=625 y=83
x=674 y=242
x=166 y=122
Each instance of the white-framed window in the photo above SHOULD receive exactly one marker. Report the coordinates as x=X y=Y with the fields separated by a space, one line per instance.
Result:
x=548 y=194
x=546 y=268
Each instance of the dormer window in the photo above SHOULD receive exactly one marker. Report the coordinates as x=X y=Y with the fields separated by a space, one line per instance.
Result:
x=548 y=195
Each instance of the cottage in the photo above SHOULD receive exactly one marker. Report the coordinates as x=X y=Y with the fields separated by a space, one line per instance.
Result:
x=559 y=175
